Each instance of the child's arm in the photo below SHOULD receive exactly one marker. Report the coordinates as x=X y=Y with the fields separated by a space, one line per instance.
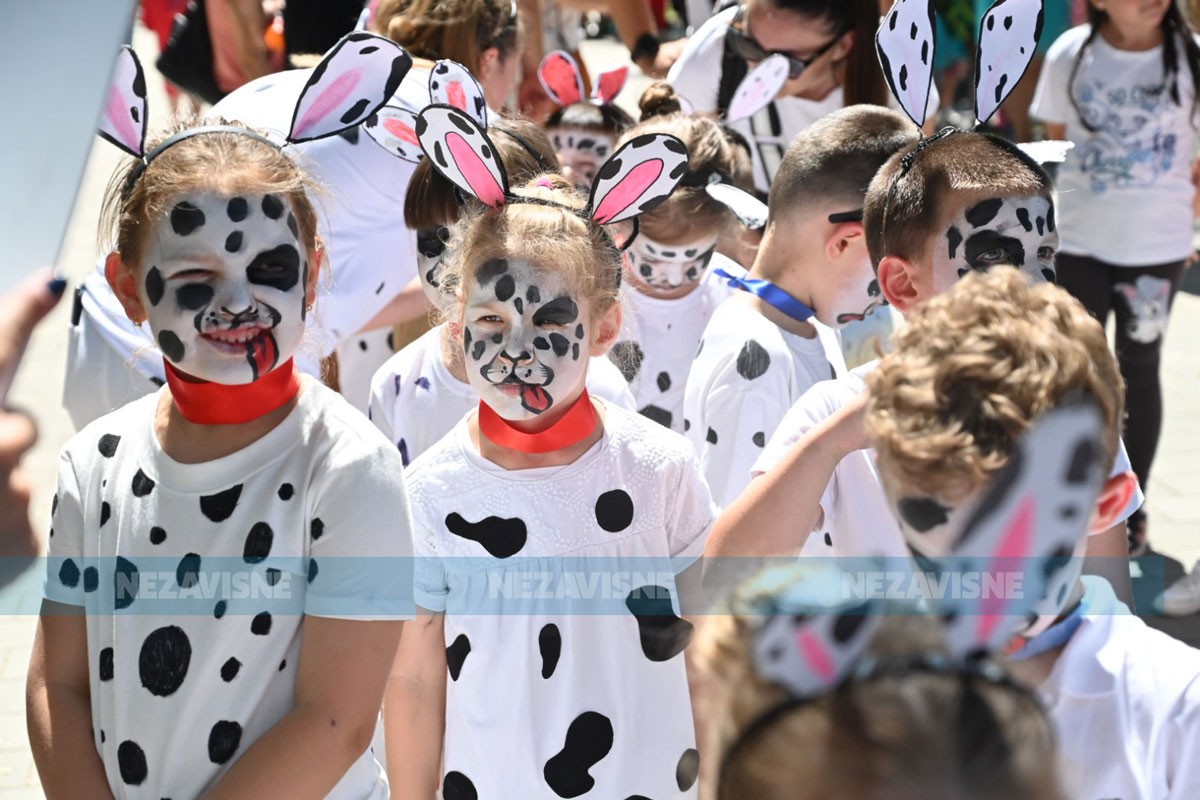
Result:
x=339 y=685
x=414 y=710
x=59 y=707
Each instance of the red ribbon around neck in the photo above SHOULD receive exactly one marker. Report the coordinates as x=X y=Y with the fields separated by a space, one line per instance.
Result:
x=208 y=403
x=571 y=428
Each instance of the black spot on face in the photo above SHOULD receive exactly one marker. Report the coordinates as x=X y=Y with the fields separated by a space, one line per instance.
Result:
x=1023 y=218
x=193 y=296
x=456 y=654
x=540 y=343
x=589 y=739
x=218 y=507
x=560 y=344
x=223 y=741
x=663 y=635
x=532 y=295
x=1049 y=275
x=164 y=660
x=1050 y=219
x=1010 y=250
x=752 y=360
x=278 y=268
x=272 y=206
x=579 y=331
x=505 y=287
x=922 y=514
x=518 y=304
x=614 y=510
x=559 y=311
x=233 y=242
x=983 y=212
x=238 y=209
x=186 y=218
x=550 y=647
x=1085 y=457
x=154 y=286
x=499 y=536
x=170 y=345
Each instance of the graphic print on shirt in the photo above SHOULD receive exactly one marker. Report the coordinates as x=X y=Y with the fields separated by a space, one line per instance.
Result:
x=1019 y=231
x=1149 y=300
x=1132 y=147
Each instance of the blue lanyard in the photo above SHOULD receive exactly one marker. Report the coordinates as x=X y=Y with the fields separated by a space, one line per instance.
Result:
x=1056 y=635
x=770 y=293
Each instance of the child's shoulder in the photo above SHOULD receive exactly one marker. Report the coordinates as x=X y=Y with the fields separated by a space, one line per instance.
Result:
x=102 y=437
x=332 y=428
x=635 y=437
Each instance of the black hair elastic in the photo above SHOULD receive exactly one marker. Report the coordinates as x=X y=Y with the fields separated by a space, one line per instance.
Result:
x=171 y=141
x=528 y=148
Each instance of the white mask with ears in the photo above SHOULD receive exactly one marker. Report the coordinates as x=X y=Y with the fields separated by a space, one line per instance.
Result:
x=224 y=285
x=525 y=338
x=1019 y=231
x=668 y=267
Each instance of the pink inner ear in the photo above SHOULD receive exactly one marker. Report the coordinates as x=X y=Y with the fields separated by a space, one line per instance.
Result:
x=474 y=170
x=560 y=76
x=456 y=96
x=328 y=101
x=610 y=84
x=1012 y=550
x=629 y=190
x=117 y=112
x=819 y=659
x=401 y=131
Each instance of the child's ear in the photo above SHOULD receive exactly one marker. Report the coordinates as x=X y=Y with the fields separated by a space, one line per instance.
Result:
x=608 y=327
x=846 y=236
x=896 y=276
x=123 y=281
x=1114 y=498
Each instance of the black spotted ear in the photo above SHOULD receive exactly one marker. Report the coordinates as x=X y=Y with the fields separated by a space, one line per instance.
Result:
x=905 y=43
x=123 y=121
x=463 y=153
x=351 y=83
x=1008 y=38
x=636 y=178
x=758 y=88
x=395 y=129
x=452 y=84
x=749 y=210
x=810 y=653
x=609 y=85
x=560 y=77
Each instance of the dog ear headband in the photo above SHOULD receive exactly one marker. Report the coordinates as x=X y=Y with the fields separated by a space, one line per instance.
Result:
x=562 y=79
x=354 y=79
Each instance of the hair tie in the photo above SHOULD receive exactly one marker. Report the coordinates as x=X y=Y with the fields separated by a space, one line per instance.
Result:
x=545 y=183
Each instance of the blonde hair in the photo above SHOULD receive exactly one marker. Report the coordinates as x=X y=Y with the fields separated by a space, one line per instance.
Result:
x=459 y=30
x=897 y=735
x=972 y=370
x=548 y=233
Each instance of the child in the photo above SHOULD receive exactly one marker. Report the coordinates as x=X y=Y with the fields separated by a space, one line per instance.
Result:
x=1123 y=89
x=177 y=682
x=421 y=392
x=766 y=345
x=1125 y=699
x=670 y=265
x=493 y=695
x=584 y=132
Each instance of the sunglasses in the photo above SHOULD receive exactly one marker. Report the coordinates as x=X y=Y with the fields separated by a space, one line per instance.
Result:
x=846 y=216
x=747 y=48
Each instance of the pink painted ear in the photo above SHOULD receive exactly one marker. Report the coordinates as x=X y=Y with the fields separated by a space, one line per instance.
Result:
x=609 y=85
x=560 y=77
x=123 y=121
x=905 y=43
x=351 y=83
x=636 y=178
x=395 y=129
x=452 y=84
x=809 y=654
x=758 y=88
x=463 y=153
x=1008 y=39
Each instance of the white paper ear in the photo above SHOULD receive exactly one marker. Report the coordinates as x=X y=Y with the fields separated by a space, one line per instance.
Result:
x=609 y=85
x=452 y=84
x=395 y=129
x=905 y=43
x=810 y=654
x=749 y=210
x=1049 y=151
x=758 y=88
x=123 y=121
x=463 y=153
x=1008 y=38
x=560 y=77
x=636 y=178
x=351 y=83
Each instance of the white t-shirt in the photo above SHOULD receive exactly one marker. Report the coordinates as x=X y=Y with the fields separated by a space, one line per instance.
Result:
x=370 y=254
x=196 y=579
x=697 y=77
x=746 y=376
x=558 y=676
x=415 y=400
x=1125 y=190
x=1125 y=700
x=359 y=358
x=858 y=518
x=659 y=340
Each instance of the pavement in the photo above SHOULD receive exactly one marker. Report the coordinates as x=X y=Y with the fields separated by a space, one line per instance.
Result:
x=1174 y=504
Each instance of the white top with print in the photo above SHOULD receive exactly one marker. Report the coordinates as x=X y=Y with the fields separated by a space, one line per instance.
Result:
x=659 y=340
x=1125 y=700
x=859 y=521
x=176 y=563
x=415 y=400
x=566 y=667
x=746 y=376
x=1125 y=191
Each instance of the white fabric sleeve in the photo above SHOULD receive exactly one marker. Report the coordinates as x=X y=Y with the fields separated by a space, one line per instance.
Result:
x=64 y=579
x=1183 y=743
x=741 y=417
x=692 y=513
x=1051 y=100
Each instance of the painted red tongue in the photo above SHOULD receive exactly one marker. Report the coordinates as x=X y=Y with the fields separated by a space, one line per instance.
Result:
x=535 y=398
x=263 y=354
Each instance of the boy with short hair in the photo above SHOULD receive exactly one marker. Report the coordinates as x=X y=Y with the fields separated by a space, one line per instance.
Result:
x=973 y=370
x=762 y=349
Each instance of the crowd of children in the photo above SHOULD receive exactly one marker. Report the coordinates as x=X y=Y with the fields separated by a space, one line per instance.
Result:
x=568 y=544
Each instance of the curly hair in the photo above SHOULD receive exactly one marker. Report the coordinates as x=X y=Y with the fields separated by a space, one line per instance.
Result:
x=972 y=370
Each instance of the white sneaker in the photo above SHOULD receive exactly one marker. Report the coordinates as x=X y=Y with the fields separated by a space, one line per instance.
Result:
x=1182 y=598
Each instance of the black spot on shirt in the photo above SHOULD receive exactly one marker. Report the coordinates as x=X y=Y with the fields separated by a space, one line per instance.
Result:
x=664 y=381
x=499 y=536
x=164 y=660
x=108 y=445
x=550 y=647
x=142 y=485
x=711 y=436
x=223 y=741
x=106 y=664
x=131 y=761
x=589 y=739
x=126 y=582
x=68 y=573
x=229 y=669
x=456 y=655
x=187 y=574
x=457 y=786
x=688 y=769
x=656 y=414
x=261 y=624
x=663 y=634
x=628 y=357
x=258 y=543
x=752 y=360
x=614 y=510
x=157 y=535
x=316 y=529
x=218 y=507
x=286 y=491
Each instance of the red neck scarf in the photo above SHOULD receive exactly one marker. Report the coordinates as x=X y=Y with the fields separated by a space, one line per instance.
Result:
x=571 y=428
x=209 y=403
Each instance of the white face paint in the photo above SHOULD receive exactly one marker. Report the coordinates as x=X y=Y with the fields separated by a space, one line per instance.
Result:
x=581 y=152
x=431 y=245
x=223 y=285
x=1019 y=231
x=525 y=338
x=666 y=268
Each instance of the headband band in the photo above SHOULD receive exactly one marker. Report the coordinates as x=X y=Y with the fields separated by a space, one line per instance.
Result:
x=528 y=148
x=182 y=136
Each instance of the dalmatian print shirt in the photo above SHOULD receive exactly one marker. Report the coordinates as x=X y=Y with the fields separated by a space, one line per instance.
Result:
x=745 y=377
x=564 y=648
x=415 y=400
x=659 y=341
x=196 y=579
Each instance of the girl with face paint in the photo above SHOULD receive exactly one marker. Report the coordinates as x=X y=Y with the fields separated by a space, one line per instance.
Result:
x=543 y=476
x=239 y=471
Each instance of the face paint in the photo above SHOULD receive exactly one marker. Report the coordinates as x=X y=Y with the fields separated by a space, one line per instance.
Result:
x=224 y=282
x=666 y=269
x=525 y=339
x=582 y=152
x=431 y=245
x=1019 y=231
x=931 y=527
